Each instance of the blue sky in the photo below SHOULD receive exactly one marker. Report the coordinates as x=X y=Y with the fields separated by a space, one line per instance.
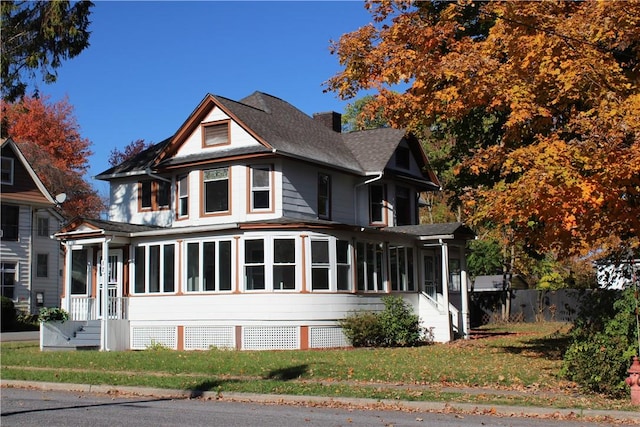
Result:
x=151 y=63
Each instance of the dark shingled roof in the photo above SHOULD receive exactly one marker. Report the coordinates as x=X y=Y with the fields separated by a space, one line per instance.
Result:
x=457 y=229
x=119 y=227
x=286 y=130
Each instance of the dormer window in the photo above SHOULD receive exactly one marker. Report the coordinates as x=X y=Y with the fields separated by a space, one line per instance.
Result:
x=216 y=133
x=6 y=174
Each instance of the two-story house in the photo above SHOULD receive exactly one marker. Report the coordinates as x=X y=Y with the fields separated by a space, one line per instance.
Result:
x=30 y=260
x=256 y=226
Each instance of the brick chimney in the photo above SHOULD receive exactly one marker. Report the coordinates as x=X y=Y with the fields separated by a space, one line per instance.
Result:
x=331 y=119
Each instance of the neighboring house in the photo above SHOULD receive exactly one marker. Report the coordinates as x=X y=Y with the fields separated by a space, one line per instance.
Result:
x=256 y=226
x=30 y=260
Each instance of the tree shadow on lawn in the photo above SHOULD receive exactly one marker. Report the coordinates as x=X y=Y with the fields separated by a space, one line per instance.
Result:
x=551 y=348
x=287 y=374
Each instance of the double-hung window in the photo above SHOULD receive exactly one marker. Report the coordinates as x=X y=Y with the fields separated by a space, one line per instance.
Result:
x=7 y=279
x=43 y=226
x=403 y=206
x=183 y=196
x=216 y=190
x=216 y=265
x=6 y=170
x=324 y=196
x=254 y=264
x=42 y=265
x=343 y=265
x=401 y=268
x=320 y=265
x=260 y=187
x=284 y=264
x=154 y=195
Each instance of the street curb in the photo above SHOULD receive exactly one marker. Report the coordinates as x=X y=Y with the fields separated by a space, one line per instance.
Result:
x=497 y=410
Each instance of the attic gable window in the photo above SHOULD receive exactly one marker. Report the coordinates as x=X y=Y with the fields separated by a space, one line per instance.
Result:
x=215 y=134
x=6 y=174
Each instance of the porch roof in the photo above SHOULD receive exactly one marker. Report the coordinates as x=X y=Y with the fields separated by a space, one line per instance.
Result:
x=448 y=230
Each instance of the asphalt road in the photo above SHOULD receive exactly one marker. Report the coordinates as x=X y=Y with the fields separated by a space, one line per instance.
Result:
x=25 y=407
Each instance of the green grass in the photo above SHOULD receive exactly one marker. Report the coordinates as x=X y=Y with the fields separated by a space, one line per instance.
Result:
x=485 y=370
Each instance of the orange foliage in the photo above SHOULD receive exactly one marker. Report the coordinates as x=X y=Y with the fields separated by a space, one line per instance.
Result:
x=49 y=137
x=564 y=172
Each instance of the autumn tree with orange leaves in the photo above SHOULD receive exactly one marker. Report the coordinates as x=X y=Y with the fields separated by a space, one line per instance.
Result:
x=540 y=99
x=49 y=137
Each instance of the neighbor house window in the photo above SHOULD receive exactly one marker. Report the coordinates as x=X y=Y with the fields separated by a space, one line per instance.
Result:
x=343 y=265
x=154 y=195
x=324 y=196
x=369 y=267
x=183 y=196
x=376 y=203
x=284 y=264
x=260 y=187
x=254 y=264
x=403 y=158
x=79 y=264
x=403 y=206
x=42 y=265
x=9 y=219
x=43 y=226
x=6 y=170
x=155 y=268
x=7 y=279
x=215 y=134
x=216 y=190
x=401 y=265
x=320 y=266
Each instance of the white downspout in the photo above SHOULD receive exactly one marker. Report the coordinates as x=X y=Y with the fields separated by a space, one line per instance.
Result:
x=355 y=193
x=68 y=267
x=465 y=295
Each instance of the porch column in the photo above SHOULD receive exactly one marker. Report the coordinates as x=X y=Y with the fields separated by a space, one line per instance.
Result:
x=464 y=294
x=445 y=274
x=104 y=266
x=68 y=272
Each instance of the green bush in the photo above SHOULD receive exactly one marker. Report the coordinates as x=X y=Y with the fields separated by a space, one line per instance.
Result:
x=8 y=314
x=603 y=341
x=395 y=326
x=52 y=314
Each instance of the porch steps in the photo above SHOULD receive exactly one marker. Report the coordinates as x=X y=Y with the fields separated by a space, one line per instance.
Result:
x=87 y=337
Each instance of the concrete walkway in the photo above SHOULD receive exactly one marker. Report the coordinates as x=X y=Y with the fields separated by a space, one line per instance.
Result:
x=20 y=336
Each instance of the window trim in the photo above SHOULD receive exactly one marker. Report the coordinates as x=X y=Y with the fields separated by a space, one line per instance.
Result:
x=11 y=170
x=203 y=195
x=251 y=189
x=216 y=123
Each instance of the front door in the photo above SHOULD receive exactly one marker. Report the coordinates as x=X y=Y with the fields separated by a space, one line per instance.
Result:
x=114 y=284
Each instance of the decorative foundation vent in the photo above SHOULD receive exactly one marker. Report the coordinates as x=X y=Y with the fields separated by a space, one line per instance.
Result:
x=143 y=337
x=206 y=337
x=270 y=338
x=327 y=337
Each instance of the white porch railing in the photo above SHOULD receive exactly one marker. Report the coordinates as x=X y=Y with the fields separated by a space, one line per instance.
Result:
x=86 y=308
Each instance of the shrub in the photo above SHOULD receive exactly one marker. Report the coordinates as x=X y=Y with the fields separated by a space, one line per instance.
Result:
x=395 y=326
x=52 y=314
x=8 y=314
x=603 y=340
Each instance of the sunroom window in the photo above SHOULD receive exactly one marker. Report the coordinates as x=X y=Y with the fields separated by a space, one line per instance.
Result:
x=320 y=266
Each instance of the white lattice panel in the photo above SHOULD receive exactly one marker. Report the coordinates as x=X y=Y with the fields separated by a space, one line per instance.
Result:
x=270 y=338
x=327 y=337
x=205 y=337
x=143 y=337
